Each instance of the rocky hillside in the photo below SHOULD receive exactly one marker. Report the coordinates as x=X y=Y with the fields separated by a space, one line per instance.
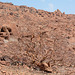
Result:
x=36 y=42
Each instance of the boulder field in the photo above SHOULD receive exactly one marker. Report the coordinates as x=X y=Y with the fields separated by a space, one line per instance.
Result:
x=36 y=42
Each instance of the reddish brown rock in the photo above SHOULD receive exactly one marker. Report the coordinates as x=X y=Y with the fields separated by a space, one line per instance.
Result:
x=39 y=39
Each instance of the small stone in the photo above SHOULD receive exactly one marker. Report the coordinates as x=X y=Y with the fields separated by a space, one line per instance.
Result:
x=45 y=64
x=0 y=67
x=0 y=52
x=49 y=69
x=3 y=62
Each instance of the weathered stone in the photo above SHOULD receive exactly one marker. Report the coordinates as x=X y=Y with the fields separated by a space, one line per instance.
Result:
x=36 y=38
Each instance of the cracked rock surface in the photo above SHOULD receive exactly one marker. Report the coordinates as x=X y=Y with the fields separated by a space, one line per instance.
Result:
x=36 y=42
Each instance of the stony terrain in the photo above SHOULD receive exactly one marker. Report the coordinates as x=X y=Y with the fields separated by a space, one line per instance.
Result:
x=36 y=42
